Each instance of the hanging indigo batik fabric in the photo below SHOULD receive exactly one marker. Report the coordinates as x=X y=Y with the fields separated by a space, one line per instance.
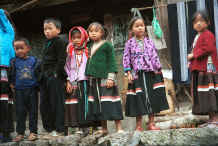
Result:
x=181 y=35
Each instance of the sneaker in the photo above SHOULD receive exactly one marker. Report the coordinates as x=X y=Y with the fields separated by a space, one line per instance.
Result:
x=55 y=133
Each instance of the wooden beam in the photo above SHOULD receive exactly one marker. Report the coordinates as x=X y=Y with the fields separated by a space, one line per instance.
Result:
x=55 y=2
x=25 y=6
x=146 y=8
x=176 y=1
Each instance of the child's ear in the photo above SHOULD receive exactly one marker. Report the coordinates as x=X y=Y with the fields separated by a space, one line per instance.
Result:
x=29 y=47
x=59 y=31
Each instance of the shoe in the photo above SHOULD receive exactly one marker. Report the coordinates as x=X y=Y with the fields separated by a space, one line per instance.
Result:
x=55 y=133
x=120 y=131
x=60 y=133
x=140 y=129
x=151 y=126
x=49 y=135
x=32 y=137
x=79 y=132
x=18 y=138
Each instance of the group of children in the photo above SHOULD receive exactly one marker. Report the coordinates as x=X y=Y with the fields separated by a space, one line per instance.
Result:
x=78 y=85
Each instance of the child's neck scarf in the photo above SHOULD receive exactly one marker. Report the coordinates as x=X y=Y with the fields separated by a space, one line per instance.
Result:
x=83 y=44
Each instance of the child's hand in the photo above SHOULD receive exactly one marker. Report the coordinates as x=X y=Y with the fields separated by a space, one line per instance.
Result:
x=130 y=78
x=110 y=83
x=190 y=56
x=12 y=87
x=69 y=87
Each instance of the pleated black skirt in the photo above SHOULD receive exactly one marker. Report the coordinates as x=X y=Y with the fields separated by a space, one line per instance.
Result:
x=146 y=95
x=6 y=102
x=106 y=102
x=76 y=105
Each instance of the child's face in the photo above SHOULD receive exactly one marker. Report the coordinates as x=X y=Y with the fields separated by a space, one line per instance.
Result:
x=76 y=39
x=95 y=33
x=138 y=28
x=199 y=24
x=50 y=30
x=21 y=49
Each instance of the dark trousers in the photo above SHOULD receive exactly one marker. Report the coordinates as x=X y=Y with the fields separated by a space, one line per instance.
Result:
x=52 y=104
x=26 y=101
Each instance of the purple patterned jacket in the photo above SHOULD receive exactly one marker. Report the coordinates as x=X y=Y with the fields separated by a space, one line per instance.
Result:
x=137 y=59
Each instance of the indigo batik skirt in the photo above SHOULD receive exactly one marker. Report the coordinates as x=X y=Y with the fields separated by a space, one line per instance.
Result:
x=146 y=95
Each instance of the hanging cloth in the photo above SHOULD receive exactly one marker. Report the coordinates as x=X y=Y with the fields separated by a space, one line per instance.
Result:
x=201 y=5
x=216 y=21
x=182 y=40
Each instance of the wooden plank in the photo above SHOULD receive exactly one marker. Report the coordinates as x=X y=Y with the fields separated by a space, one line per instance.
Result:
x=176 y=1
x=25 y=6
x=46 y=3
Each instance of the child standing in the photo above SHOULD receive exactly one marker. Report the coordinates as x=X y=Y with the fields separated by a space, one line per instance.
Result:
x=204 y=67
x=53 y=78
x=6 y=53
x=76 y=104
x=101 y=69
x=23 y=78
x=146 y=93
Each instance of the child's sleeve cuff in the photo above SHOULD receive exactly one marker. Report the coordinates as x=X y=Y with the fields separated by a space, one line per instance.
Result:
x=111 y=76
x=127 y=69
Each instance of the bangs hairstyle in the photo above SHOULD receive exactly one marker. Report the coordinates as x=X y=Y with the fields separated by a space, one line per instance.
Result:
x=55 y=21
x=23 y=39
x=133 y=20
x=203 y=14
x=99 y=26
x=75 y=31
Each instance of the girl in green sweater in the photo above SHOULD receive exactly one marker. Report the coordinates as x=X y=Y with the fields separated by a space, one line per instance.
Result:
x=101 y=69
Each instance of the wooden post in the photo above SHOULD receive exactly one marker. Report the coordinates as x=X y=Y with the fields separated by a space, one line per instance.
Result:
x=108 y=23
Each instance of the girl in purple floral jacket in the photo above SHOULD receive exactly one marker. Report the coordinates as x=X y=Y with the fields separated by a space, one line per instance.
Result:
x=146 y=92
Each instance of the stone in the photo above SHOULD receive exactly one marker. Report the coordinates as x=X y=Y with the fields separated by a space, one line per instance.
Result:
x=180 y=120
x=181 y=137
x=9 y=144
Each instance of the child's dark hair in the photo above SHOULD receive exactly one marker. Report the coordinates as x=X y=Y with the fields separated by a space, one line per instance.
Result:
x=75 y=31
x=133 y=20
x=131 y=23
x=23 y=39
x=203 y=14
x=55 y=21
x=100 y=26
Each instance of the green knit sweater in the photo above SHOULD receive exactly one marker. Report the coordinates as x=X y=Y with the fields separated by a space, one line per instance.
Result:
x=102 y=62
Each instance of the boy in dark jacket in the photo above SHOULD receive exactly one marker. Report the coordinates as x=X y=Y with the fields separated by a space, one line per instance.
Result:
x=52 y=82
